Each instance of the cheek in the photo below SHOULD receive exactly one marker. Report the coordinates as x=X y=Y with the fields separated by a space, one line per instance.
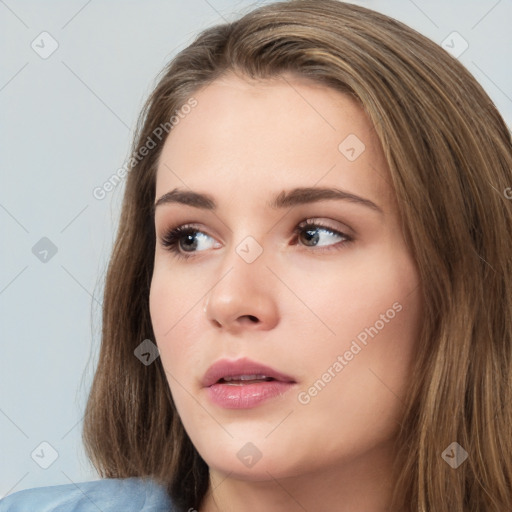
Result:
x=173 y=301
x=344 y=299
x=374 y=322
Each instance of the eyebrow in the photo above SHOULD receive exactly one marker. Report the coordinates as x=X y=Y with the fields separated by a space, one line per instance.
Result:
x=285 y=199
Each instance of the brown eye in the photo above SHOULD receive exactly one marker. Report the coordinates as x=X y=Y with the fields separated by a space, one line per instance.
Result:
x=184 y=241
x=318 y=235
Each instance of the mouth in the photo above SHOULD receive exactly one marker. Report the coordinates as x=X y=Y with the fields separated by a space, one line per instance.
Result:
x=243 y=384
x=244 y=380
x=241 y=372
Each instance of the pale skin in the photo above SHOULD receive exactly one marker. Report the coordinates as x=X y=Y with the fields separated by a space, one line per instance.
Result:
x=297 y=307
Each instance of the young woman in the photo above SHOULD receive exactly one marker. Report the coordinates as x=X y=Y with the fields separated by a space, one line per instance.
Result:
x=308 y=303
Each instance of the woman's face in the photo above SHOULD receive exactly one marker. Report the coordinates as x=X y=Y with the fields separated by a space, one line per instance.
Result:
x=294 y=280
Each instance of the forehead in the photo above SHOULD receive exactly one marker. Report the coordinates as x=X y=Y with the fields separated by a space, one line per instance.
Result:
x=246 y=137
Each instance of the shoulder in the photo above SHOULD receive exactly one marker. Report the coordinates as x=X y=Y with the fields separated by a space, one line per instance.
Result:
x=107 y=495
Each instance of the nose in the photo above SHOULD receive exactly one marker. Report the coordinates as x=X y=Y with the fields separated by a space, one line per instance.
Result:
x=243 y=297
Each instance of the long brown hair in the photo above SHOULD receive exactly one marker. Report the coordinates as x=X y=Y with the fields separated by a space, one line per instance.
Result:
x=450 y=157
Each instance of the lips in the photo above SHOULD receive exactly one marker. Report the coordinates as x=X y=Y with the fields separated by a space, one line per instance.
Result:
x=244 y=384
x=242 y=372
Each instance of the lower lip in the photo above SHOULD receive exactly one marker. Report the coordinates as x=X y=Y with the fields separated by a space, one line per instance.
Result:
x=245 y=396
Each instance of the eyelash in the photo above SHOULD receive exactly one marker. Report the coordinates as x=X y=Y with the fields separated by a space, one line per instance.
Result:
x=170 y=240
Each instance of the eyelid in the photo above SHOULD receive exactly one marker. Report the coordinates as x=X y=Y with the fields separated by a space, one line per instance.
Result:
x=344 y=229
x=317 y=224
x=182 y=228
x=314 y=221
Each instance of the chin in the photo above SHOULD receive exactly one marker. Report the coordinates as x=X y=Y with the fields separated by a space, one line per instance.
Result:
x=258 y=460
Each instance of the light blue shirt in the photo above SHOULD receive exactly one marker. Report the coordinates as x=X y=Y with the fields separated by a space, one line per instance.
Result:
x=107 y=495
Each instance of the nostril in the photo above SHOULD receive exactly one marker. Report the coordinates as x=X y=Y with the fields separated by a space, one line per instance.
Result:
x=252 y=318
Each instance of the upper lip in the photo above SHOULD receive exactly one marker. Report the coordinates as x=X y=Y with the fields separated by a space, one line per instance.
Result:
x=235 y=368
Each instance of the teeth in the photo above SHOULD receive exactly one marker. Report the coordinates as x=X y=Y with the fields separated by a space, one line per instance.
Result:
x=246 y=377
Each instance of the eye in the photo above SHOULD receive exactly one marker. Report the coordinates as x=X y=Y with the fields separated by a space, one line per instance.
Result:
x=192 y=239
x=312 y=234
x=184 y=241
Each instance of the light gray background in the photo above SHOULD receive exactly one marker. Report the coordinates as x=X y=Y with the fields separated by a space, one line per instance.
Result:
x=66 y=126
